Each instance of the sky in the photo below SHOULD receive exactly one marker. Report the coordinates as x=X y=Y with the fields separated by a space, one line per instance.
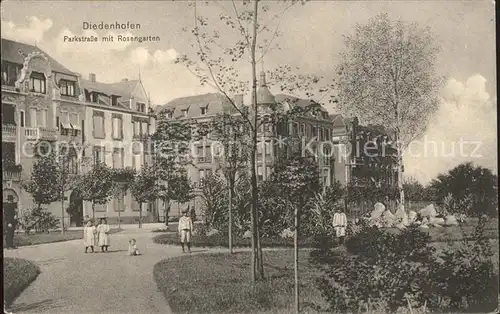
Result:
x=311 y=37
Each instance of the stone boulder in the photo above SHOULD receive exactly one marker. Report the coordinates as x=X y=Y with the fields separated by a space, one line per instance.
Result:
x=412 y=216
x=378 y=211
x=212 y=232
x=247 y=234
x=424 y=226
x=428 y=211
x=388 y=219
x=450 y=220
x=402 y=216
x=436 y=222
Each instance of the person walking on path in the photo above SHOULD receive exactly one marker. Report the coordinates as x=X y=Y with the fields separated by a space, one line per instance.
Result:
x=103 y=235
x=10 y=221
x=185 y=229
x=340 y=224
x=89 y=232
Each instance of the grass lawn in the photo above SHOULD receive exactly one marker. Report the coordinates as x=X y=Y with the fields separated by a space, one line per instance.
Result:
x=54 y=236
x=220 y=283
x=18 y=274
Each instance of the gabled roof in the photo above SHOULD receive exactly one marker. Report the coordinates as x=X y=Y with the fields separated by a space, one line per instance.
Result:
x=216 y=103
x=124 y=89
x=15 y=52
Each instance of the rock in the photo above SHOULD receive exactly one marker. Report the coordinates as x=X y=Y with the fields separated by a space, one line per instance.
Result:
x=428 y=211
x=450 y=220
x=424 y=226
x=412 y=216
x=378 y=211
x=388 y=219
x=436 y=221
x=287 y=233
x=247 y=234
x=425 y=221
x=212 y=232
x=400 y=226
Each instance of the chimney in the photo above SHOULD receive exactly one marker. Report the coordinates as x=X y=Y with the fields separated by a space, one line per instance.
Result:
x=92 y=77
x=238 y=100
x=125 y=80
x=263 y=79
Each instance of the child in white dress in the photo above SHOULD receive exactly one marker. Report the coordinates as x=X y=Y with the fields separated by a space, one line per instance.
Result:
x=89 y=236
x=103 y=232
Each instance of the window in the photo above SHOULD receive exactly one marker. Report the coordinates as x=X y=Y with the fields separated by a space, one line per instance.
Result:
x=8 y=114
x=137 y=161
x=101 y=207
x=204 y=110
x=321 y=134
x=119 y=202
x=67 y=88
x=22 y=118
x=94 y=97
x=137 y=128
x=33 y=113
x=117 y=127
x=295 y=129
x=74 y=119
x=98 y=121
x=260 y=175
x=114 y=100
x=327 y=134
x=118 y=154
x=141 y=107
x=65 y=123
x=10 y=73
x=37 y=82
x=268 y=148
x=42 y=114
x=8 y=153
x=302 y=130
x=99 y=154
x=184 y=113
x=135 y=206
x=144 y=128
x=314 y=131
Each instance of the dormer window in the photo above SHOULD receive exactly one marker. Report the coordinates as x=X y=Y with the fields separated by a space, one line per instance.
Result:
x=94 y=97
x=141 y=107
x=184 y=113
x=169 y=115
x=67 y=88
x=37 y=82
x=204 y=110
x=114 y=100
x=10 y=73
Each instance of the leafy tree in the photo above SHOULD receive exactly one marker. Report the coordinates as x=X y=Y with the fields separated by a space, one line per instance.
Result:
x=213 y=192
x=387 y=77
x=414 y=190
x=96 y=185
x=296 y=180
x=231 y=132
x=217 y=65
x=177 y=187
x=43 y=185
x=145 y=188
x=473 y=186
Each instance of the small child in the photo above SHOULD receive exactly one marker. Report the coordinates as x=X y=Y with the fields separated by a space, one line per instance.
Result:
x=103 y=231
x=89 y=236
x=340 y=224
x=132 y=248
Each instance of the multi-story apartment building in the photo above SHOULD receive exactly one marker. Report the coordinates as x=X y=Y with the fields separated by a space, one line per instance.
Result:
x=309 y=129
x=45 y=105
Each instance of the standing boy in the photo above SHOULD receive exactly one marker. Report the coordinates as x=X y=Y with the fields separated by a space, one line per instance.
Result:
x=185 y=229
x=340 y=224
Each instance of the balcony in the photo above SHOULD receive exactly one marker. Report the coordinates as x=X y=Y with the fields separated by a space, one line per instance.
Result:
x=11 y=172
x=48 y=134
x=32 y=134
x=9 y=132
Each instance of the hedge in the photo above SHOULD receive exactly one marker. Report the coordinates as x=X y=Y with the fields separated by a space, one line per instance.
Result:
x=18 y=274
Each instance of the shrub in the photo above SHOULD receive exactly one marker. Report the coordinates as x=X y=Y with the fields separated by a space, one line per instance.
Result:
x=38 y=219
x=387 y=269
x=464 y=278
x=18 y=274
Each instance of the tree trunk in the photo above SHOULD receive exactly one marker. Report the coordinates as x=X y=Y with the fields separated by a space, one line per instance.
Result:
x=400 y=171
x=62 y=214
x=167 y=210
x=254 y=147
x=140 y=214
x=230 y=224
x=119 y=218
x=93 y=211
x=296 y=258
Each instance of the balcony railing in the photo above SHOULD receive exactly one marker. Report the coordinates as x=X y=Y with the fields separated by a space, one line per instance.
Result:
x=49 y=134
x=11 y=175
x=32 y=133
x=9 y=132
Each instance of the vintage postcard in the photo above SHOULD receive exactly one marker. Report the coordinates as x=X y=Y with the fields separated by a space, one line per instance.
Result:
x=249 y=156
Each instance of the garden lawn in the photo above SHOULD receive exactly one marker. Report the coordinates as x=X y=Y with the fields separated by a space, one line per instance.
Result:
x=54 y=236
x=220 y=283
x=18 y=274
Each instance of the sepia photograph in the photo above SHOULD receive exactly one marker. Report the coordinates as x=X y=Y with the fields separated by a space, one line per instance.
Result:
x=249 y=156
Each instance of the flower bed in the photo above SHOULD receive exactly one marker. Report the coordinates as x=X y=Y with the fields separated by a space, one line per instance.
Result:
x=18 y=274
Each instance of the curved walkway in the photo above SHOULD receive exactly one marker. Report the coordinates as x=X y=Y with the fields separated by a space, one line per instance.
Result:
x=74 y=282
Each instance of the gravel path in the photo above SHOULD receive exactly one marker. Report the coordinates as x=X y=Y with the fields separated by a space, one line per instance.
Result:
x=74 y=282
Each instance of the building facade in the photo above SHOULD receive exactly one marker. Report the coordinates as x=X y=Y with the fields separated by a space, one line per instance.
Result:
x=46 y=106
x=314 y=131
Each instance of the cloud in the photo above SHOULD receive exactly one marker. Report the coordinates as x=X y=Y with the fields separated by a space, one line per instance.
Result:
x=165 y=56
x=139 y=55
x=33 y=32
x=142 y=56
x=464 y=129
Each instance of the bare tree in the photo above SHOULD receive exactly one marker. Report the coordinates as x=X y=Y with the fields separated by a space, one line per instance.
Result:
x=218 y=64
x=387 y=77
